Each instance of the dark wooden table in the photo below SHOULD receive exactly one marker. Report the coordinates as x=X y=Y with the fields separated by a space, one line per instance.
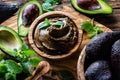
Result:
x=112 y=21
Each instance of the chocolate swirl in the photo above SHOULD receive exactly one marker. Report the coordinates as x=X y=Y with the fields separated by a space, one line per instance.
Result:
x=57 y=40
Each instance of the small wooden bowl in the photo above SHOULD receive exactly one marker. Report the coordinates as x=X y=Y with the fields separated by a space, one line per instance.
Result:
x=52 y=15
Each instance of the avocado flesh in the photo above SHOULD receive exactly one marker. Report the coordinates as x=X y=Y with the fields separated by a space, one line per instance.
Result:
x=23 y=30
x=105 y=8
x=9 y=40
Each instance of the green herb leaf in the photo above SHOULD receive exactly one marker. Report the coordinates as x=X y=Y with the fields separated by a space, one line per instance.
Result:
x=47 y=7
x=58 y=23
x=10 y=76
x=13 y=67
x=34 y=61
x=24 y=47
x=29 y=53
x=90 y=28
x=3 y=68
x=52 y=2
x=87 y=26
x=44 y=24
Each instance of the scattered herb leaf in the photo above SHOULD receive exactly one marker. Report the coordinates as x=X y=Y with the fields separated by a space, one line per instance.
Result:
x=47 y=7
x=3 y=68
x=48 y=4
x=10 y=76
x=13 y=67
x=90 y=28
x=52 y=2
x=34 y=61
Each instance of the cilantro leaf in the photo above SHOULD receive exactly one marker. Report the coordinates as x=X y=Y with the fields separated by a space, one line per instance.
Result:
x=58 y=23
x=90 y=28
x=13 y=67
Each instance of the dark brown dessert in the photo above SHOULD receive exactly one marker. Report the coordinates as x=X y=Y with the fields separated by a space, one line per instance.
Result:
x=57 y=39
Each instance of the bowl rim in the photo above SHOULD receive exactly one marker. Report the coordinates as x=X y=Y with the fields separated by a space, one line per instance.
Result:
x=34 y=26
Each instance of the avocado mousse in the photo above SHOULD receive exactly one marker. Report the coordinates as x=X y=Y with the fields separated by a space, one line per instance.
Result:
x=56 y=35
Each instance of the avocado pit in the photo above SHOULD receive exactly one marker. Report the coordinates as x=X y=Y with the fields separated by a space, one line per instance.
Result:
x=88 y=4
x=30 y=12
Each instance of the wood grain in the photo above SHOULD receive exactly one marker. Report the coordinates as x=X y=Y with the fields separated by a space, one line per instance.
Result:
x=67 y=63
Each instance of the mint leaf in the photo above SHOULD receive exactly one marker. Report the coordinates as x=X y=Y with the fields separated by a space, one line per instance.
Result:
x=24 y=47
x=10 y=76
x=44 y=24
x=87 y=26
x=90 y=28
x=52 y=2
x=29 y=52
x=47 y=7
x=34 y=61
x=58 y=23
x=13 y=67
x=3 y=68
x=26 y=66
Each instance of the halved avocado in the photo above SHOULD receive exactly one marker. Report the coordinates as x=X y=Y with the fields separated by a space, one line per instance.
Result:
x=9 y=40
x=92 y=6
x=24 y=23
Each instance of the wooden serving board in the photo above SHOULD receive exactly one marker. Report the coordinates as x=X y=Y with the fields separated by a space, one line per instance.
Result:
x=68 y=63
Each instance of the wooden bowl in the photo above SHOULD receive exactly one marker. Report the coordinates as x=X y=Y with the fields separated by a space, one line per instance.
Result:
x=81 y=59
x=52 y=15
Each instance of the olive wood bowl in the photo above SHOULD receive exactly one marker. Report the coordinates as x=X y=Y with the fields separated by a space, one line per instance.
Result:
x=81 y=59
x=52 y=15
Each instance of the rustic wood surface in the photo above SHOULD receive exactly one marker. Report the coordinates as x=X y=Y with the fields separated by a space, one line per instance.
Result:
x=112 y=21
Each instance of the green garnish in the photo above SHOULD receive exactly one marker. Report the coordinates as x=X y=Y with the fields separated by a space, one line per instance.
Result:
x=25 y=60
x=48 y=4
x=58 y=23
x=44 y=24
x=47 y=23
x=90 y=28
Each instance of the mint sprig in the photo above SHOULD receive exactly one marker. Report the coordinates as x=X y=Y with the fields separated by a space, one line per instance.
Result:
x=91 y=29
x=48 y=4
x=46 y=23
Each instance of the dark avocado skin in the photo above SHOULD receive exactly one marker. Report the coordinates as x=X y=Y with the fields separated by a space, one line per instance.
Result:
x=99 y=48
x=98 y=70
x=115 y=60
x=7 y=10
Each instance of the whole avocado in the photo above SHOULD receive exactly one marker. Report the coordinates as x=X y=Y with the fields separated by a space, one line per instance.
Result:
x=98 y=70
x=99 y=48
x=115 y=60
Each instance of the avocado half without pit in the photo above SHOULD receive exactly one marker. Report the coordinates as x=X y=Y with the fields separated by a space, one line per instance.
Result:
x=59 y=38
x=92 y=6
x=9 y=40
x=27 y=13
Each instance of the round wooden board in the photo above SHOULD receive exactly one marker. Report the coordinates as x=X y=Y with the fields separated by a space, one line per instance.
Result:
x=68 y=63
